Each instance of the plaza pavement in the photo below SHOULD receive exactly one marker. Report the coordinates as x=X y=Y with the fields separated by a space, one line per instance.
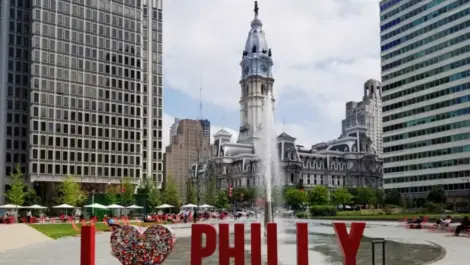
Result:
x=18 y=236
x=66 y=251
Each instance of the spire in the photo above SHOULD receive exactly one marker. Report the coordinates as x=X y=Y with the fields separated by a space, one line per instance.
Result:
x=256 y=9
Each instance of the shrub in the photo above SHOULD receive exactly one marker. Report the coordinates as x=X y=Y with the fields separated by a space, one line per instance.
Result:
x=302 y=215
x=322 y=210
x=432 y=207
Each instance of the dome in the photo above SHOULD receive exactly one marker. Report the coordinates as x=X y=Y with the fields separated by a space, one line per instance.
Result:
x=256 y=41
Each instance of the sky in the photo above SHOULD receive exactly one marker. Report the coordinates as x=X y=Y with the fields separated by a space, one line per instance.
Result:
x=323 y=52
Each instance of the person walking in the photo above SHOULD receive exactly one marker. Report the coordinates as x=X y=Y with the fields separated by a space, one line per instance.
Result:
x=464 y=225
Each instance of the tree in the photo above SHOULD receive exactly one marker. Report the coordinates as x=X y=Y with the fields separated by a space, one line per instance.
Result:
x=127 y=194
x=16 y=195
x=437 y=194
x=170 y=195
x=295 y=198
x=191 y=194
x=154 y=198
x=380 y=197
x=31 y=197
x=111 y=195
x=71 y=193
x=211 y=191
x=393 y=197
x=342 y=197
x=222 y=200
x=366 y=196
x=318 y=195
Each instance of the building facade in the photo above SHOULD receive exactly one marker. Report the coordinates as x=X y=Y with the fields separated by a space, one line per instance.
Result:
x=188 y=146
x=83 y=91
x=368 y=113
x=345 y=162
x=425 y=52
x=174 y=129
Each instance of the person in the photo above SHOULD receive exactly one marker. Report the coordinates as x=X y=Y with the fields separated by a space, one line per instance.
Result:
x=416 y=223
x=112 y=222
x=185 y=216
x=28 y=216
x=442 y=223
x=464 y=225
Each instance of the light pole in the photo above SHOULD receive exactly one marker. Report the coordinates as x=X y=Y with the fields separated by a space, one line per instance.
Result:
x=468 y=191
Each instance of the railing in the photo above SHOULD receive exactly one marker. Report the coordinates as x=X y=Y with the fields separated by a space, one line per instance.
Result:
x=376 y=242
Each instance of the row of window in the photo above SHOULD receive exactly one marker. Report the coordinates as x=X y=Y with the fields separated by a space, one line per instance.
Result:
x=79 y=130
x=434 y=176
x=430 y=119
x=17 y=131
x=429 y=165
x=84 y=157
x=83 y=171
x=430 y=73
x=397 y=10
x=119 y=144
x=428 y=85
x=15 y=158
x=428 y=142
x=423 y=19
x=426 y=29
x=422 y=98
x=430 y=50
x=432 y=130
x=389 y=4
x=457 y=186
x=426 y=63
x=443 y=34
x=427 y=108
x=426 y=154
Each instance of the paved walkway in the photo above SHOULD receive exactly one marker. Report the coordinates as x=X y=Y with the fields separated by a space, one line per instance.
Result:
x=18 y=236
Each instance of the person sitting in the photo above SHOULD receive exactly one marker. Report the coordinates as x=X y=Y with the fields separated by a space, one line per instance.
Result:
x=443 y=223
x=416 y=223
x=464 y=225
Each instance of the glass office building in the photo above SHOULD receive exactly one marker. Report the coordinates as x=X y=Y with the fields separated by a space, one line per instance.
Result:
x=425 y=60
x=81 y=90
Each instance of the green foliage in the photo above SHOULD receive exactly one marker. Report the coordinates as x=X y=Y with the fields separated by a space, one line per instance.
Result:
x=342 y=196
x=276 y=196
x=295 y=198
x=366 y=196
x=302 y=215
x=393 y=197
x=323 y=210
x=318 y=195
x=154 y=197
x=31 y=197
x=380 y=196
x=437 y=194
x=191 y=194
x=16 y=195
x=111 y=195
x=222 y=201
x=71 y=193
x=433 y=207
x=170 y=195
x=127 y=197
x=210 y=194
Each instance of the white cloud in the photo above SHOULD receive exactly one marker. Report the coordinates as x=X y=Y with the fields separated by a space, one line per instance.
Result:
x=325 y=48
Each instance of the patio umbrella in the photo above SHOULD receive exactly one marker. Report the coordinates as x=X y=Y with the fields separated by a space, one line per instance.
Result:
x=206 y=206
x=164 y=206
x=134 y=207
x=190 y=205
x=96 y=205
x=10 y=206
x=35 y=206
x=115 y=206
x=64 y=206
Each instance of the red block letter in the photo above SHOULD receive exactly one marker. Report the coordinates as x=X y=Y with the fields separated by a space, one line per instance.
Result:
x=349 y=243
x=255 y=244
x=225 y=251
x=198 y=252
x=302 y=244
x=272 y=243
x=87 y=245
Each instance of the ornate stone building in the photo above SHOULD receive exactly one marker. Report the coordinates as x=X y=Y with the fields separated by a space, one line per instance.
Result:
x=349 y=161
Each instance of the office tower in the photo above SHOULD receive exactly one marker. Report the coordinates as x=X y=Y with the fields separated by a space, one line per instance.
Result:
x=173 y=129
x=425 y=52
x=367 y=113
x=189 y=144
x=83 y=90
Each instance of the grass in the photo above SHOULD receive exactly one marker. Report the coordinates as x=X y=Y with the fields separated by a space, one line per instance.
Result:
x=56 y=231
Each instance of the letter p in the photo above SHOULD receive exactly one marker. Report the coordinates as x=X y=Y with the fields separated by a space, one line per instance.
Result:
x=198 y=251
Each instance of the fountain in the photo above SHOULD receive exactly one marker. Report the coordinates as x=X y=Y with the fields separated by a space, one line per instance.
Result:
x=269 y=155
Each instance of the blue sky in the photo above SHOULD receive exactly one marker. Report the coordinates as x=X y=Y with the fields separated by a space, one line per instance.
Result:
x=323 y=51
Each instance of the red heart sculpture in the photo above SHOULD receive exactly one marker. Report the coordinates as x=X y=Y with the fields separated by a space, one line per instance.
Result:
x=153 y=246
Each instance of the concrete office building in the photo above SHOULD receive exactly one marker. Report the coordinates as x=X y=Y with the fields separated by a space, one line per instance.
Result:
x=425 y=51
x=82 y=91
x=174 y=128
x=367 y=113
x=187 y=145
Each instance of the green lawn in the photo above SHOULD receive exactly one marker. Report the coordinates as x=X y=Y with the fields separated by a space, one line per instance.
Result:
x=56 y=231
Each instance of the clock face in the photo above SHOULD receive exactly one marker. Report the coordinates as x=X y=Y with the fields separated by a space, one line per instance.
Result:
x=246 y=70
x=264 y=68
